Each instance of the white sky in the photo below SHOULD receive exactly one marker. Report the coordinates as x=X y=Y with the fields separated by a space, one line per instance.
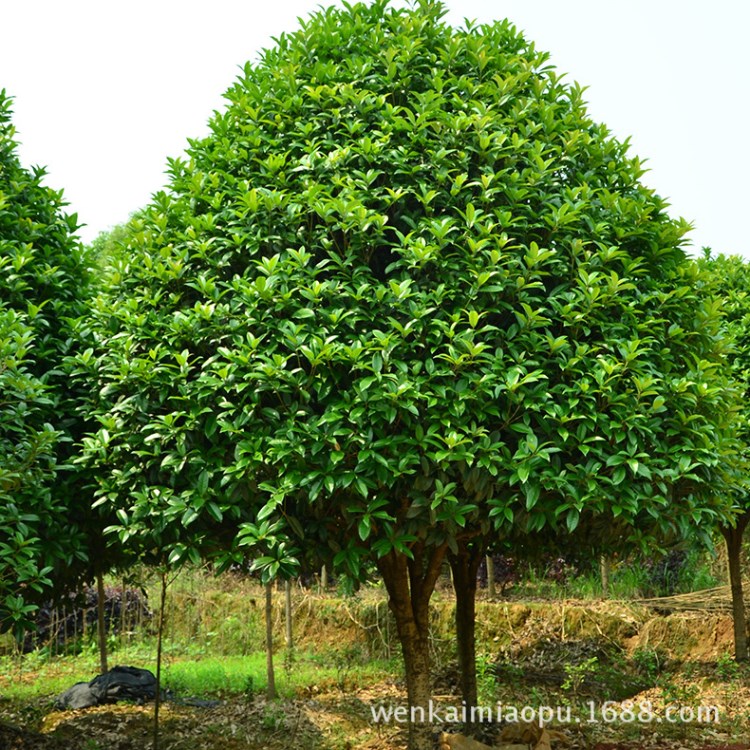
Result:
x=105 y=90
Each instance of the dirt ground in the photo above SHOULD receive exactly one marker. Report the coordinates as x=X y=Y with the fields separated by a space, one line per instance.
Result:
x=332 y=721
x=536 y=665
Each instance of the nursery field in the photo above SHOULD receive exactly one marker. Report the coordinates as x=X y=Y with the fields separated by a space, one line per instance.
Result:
x=401 y=415
x=617 y=673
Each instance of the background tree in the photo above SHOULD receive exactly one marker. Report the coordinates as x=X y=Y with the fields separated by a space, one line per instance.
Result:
x=43 y=277
x=729 y=279
x=405 y=293
x=27 y=470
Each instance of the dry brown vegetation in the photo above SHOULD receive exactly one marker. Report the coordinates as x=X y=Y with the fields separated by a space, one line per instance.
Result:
x=528 y=649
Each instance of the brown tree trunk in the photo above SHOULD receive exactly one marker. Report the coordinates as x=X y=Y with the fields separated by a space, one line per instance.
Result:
x=288 y=615
x=464 y=567
x=491 y=589
x=159 y=641
x=604 y=570
x=733 y=537
x=101 y=630
x=323 y=578
x=410 y=583
x=270 y=674
x=123 y=610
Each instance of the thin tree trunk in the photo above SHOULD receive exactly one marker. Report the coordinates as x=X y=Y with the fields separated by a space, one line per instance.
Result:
x=491 y=591
x=410 y=583
x=733 y=537
x=100 y=622
x=464 y=567
x=123 y=611
x=112 y=630
x=271 y=689
x=159 y=638
x=53 y=631
x=288 y=615
x=605 y=566
x=323 y=578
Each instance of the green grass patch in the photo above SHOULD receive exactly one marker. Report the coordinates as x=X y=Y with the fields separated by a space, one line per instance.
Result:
x=35 y=678
x=38 y=676
x=247 y=674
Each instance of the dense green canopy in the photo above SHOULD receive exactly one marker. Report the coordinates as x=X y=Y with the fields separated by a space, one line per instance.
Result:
x=728 y=280
x=41 y=279
x=407 y=268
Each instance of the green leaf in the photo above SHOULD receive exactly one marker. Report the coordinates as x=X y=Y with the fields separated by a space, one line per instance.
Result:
x=571 y=519
x=214 y=511
x=523 y=472
x=364 y=528
x=202 y=485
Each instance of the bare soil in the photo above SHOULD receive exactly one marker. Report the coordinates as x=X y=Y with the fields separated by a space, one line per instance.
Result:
x=528 y=650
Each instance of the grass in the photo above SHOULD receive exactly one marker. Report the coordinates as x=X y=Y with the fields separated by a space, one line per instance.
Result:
x=247 y=674
x=629 y=579
x=36 y=675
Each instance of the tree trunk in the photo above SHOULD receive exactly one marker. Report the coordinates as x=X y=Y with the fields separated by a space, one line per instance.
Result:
x=464 y=567
x=733 y=537
x=53 y=631
x=288 y=615
x=604 y=570
x=159 y=639
x=100 y=623
x=123 y=610
x=323 y=578
x=270 y=674
x=410 y=583
x=491 y=591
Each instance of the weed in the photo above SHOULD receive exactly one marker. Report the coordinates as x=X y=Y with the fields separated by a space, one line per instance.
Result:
x=676 y=692
x=345 y=660
x=199 y=678
x=486 y=683
x=249 y=687
x=730 y=673
x=576 y=674
x=727 y=668
x=648 y=663
x=273 y=717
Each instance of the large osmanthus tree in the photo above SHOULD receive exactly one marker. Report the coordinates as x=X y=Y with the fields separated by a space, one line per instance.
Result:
x=405 y=292
x=43 y=276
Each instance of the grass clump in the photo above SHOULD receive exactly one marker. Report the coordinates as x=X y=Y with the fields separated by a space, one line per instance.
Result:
x=214 y=676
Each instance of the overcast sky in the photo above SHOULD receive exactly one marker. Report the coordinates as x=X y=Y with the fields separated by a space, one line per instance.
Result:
x=105 y=90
